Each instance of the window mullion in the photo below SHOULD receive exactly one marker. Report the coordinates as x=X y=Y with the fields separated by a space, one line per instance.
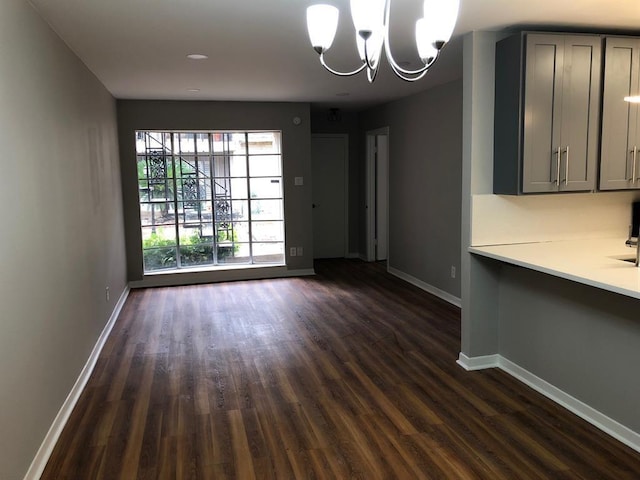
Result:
x=175 y=198
x=147 y=148
x=246 y=142
x=214 y=210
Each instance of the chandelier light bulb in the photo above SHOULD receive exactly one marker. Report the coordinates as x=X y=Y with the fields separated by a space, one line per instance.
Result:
x=368 y=15
x=441 y=16
x=322 y=24
x=425 y=43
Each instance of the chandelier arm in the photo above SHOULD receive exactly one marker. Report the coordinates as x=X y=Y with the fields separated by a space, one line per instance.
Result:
x=398 y=69
x=401 y=72
x=341 y=74
x=407 y=78
x=372 y=66
x=372 y=73
x=366 y=57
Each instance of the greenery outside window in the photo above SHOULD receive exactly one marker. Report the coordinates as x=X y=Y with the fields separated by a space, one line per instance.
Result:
x=210 y=198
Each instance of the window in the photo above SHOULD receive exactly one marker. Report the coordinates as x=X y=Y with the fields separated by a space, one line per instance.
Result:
x=210 y=198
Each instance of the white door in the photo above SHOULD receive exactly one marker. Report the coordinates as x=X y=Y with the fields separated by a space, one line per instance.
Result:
x=378 y=194
x=328 y=170
x=382 y=196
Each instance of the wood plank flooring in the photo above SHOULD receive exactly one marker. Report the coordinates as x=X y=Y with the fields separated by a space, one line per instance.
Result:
x=348 y=374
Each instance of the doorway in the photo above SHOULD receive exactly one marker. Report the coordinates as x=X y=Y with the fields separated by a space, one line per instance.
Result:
x=378 y=195
x=329 y=169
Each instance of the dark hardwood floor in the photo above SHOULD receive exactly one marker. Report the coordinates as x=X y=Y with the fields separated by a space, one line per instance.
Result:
x=348 y=374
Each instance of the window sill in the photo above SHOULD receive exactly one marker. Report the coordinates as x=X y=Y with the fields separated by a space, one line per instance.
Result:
x=227 y=273
x=212 y=268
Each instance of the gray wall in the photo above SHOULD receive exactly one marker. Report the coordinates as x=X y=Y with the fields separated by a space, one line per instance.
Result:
x=425 y=168
x=182 y=115
x=581 y=339
x=479 y=284
x=62 y=228
x=347 y=123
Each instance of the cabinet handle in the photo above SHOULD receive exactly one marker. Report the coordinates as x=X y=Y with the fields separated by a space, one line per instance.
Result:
x=566 y=167
x=558 y=155
x=633 y=173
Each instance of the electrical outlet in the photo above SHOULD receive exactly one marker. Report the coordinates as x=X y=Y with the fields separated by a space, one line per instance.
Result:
x=292 y=252
x=107 y=294
x=453 y=271
x=299 y=252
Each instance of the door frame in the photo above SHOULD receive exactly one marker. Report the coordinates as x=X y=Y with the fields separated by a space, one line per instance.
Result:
x=345 y=138
x=371 y=188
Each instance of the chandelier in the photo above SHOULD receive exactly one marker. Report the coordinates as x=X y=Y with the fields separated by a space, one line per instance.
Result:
x=371 y=21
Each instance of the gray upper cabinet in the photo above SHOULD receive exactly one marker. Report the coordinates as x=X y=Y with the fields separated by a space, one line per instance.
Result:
x=619 y=168
x=547 y=103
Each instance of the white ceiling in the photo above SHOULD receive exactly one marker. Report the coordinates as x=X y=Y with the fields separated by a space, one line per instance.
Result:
x=259 y=50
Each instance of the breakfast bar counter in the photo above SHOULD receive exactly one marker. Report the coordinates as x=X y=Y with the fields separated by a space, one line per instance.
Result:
x=598 y=262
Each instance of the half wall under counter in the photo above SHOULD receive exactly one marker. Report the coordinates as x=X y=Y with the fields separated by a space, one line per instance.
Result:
x=564 y=318
x=597 y=262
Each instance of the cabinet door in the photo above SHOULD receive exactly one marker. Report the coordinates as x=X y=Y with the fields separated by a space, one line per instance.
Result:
x=580 y=112
x=619 y=118
x=542 y=112
x=562 y=85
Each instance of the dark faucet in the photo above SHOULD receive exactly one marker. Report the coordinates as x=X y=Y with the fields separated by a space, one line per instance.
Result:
x=633 y=242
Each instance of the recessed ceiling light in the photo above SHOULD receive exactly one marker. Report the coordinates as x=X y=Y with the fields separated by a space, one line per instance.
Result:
x=193 y=90
x=342 y=94
x=197 y=56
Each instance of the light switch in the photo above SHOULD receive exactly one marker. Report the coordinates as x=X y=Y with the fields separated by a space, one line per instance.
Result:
x=298 y=181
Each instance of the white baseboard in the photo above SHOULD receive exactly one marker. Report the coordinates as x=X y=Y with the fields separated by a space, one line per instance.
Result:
x=591 y=415
x=447 y=297
x=44 y=452
x=581 y=409
x=478 y=363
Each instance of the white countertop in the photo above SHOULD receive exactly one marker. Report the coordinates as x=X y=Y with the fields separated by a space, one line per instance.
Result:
x=594 y=262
